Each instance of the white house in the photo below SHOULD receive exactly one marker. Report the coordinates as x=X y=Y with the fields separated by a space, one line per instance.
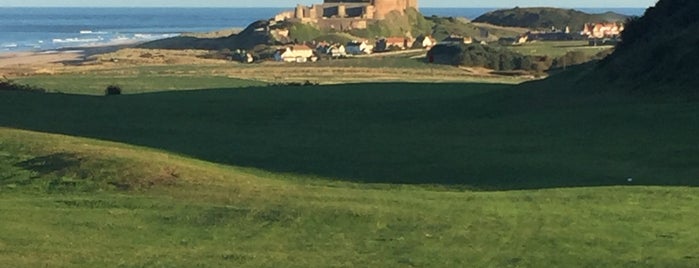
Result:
x=337 y=51
x=295 y=53
x=424 y=41
x=359 y=48
x=457 y=39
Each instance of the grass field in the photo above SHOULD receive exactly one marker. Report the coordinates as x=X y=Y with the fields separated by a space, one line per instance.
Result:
x=481 y=136
x=73 y=202
x=95 y=84
x=369 y=175
x=133 y=78
x=558 y=48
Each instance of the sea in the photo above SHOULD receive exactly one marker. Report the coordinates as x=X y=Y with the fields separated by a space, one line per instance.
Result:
x=42 y=29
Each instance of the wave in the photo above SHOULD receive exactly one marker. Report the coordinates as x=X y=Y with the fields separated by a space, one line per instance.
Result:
x=77 y=40
x=92 y=39
x=153 y=36
x=121 y=38
x=91 y=32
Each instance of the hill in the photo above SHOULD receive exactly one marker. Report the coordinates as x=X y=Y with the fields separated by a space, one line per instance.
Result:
x=544 y=174
x=257 y=33
x=265 y=33
x=659 y=51
x=78 y=202
x=478 y=136
x=445 y=26
x=397 y=24
x=545 y=18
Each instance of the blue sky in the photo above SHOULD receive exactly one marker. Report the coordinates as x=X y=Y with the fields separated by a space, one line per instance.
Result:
x=288 y=3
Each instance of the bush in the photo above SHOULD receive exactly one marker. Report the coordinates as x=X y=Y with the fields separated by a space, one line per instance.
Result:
x=112 y=90
x=476 y=55
x=11 y=85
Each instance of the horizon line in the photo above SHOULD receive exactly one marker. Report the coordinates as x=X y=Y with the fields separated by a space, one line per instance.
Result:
x=501 y=7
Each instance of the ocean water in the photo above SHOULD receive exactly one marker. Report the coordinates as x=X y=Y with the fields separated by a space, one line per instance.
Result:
x=24 y=29
x=472 y=13
x=33 y=29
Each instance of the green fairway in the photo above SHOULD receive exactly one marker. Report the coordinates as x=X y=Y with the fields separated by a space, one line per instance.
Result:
x=384 y=161
x=478 y=136
x=558 y=48
x=136 y=80
x=69 y=202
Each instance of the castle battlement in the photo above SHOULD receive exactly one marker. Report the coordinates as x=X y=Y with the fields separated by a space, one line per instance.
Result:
x=346 y=14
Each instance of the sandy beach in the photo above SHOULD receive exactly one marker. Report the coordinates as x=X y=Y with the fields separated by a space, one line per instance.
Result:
x=29 y=59
x=23 y=63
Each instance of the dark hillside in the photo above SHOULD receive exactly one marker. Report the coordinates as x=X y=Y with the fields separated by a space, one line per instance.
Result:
x=257 y=33
x=659 y=52
x=541 y=17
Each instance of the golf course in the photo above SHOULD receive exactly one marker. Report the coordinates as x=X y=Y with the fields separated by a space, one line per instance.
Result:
x=220 y=165
x=346 y=175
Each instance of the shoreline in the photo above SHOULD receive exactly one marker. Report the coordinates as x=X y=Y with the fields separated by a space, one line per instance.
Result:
x=21 y=62
x=18 y=61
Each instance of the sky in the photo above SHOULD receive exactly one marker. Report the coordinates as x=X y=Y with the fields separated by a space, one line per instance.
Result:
x=289 y=3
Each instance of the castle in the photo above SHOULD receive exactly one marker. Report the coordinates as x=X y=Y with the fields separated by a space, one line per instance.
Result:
x=346 y=14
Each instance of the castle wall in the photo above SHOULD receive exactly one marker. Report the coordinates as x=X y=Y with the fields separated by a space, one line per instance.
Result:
x=351 y=11
x=346 y=14
x=347 y=1
x=343 y=24
x=377 y=9
x=413 y=4
x=317 y=11
x=383 y=7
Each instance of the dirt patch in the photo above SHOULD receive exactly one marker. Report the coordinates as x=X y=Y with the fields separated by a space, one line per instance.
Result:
x=50 y=163
x=155 y=56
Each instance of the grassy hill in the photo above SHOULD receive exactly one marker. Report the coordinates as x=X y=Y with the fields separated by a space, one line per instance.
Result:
x=395 y=24
x=659 y=52
x=443 y=27
x=249 y=38
x=474 y=135
x=83 y=203
x=545 y=18
x=544 y=174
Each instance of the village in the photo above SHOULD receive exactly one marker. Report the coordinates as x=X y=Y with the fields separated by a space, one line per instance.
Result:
x=315 y=51
x=597 y=34
x=333 y=16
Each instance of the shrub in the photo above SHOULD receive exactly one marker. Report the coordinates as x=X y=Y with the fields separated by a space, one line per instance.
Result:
x=11 y=85
x=477 y=55
x=112 y=90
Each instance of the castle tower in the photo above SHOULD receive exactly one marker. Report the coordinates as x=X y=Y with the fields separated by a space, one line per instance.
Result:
x=383 y=7
x=403 y=4
x=413 y=4
x=369 y=12
x=342 y=11
x=316 y=11
x=299 y=12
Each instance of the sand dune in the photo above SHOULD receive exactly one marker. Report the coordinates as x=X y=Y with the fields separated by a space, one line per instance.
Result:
x=31 y=59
